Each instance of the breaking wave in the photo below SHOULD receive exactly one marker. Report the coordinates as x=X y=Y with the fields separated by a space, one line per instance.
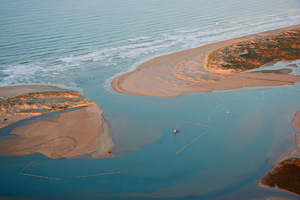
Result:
x=132 y=52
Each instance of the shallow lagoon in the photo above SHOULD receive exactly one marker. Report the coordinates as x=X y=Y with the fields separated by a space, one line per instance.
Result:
x=246 y=132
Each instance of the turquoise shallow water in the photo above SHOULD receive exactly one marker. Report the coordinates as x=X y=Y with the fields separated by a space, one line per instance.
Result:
x=83 y=45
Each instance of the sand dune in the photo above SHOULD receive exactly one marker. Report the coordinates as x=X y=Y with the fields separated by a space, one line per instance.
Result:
x=73 y=134
x=20 y=103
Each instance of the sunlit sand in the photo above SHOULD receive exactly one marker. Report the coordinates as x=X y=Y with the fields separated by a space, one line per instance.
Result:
x=73 y=134
x=189 y=71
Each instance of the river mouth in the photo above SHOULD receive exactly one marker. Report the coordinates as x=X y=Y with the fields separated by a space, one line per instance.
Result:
x=222 y=146
x=81 y=45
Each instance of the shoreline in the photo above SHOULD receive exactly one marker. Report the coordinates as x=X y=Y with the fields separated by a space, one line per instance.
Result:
x=283 y=175
x=296 y=125
x=10 y=91
x=186 y=71
x=72 y=134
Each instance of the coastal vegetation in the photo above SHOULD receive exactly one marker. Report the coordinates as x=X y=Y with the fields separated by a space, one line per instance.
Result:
x=284 y=175
x=253 y=53
x=216 y=66
x=25 y=106
x=77 y=133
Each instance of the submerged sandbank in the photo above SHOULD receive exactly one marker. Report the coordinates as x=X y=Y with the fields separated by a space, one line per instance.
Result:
x=285 y=174
x=72 y=134
x=192 y=70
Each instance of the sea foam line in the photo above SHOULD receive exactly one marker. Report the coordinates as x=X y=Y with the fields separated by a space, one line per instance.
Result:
x=185 y=41
x=134 y=52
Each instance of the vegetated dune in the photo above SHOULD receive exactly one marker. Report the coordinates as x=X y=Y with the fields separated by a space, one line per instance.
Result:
x=17 y=104
x=83 y=132
x=216 y=66
x=251 y=54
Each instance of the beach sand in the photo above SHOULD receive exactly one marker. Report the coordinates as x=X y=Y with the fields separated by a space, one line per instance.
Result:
x=296 y=121
x=11 y=91
x=73 y=134
x=187 y=71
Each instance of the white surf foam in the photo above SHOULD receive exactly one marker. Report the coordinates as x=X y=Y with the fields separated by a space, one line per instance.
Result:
x=184 y=39
x=134 y=52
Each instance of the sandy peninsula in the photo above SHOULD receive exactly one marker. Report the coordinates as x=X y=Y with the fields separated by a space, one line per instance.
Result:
x=208 y=68
x=83 y=132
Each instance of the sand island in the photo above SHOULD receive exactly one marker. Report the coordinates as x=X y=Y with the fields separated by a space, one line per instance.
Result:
x=82 y=132
x=216 y=66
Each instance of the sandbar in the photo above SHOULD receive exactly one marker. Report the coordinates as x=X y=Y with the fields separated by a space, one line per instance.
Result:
x=189 y=70
x=78 y=133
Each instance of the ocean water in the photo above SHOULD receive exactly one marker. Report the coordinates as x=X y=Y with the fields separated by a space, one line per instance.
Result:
x=83 y=45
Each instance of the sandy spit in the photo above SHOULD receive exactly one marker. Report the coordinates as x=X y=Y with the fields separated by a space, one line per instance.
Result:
x=185 y=71
x=78 y=133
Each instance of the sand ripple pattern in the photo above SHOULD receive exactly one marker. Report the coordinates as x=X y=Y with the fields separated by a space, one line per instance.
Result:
x=54 y=148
